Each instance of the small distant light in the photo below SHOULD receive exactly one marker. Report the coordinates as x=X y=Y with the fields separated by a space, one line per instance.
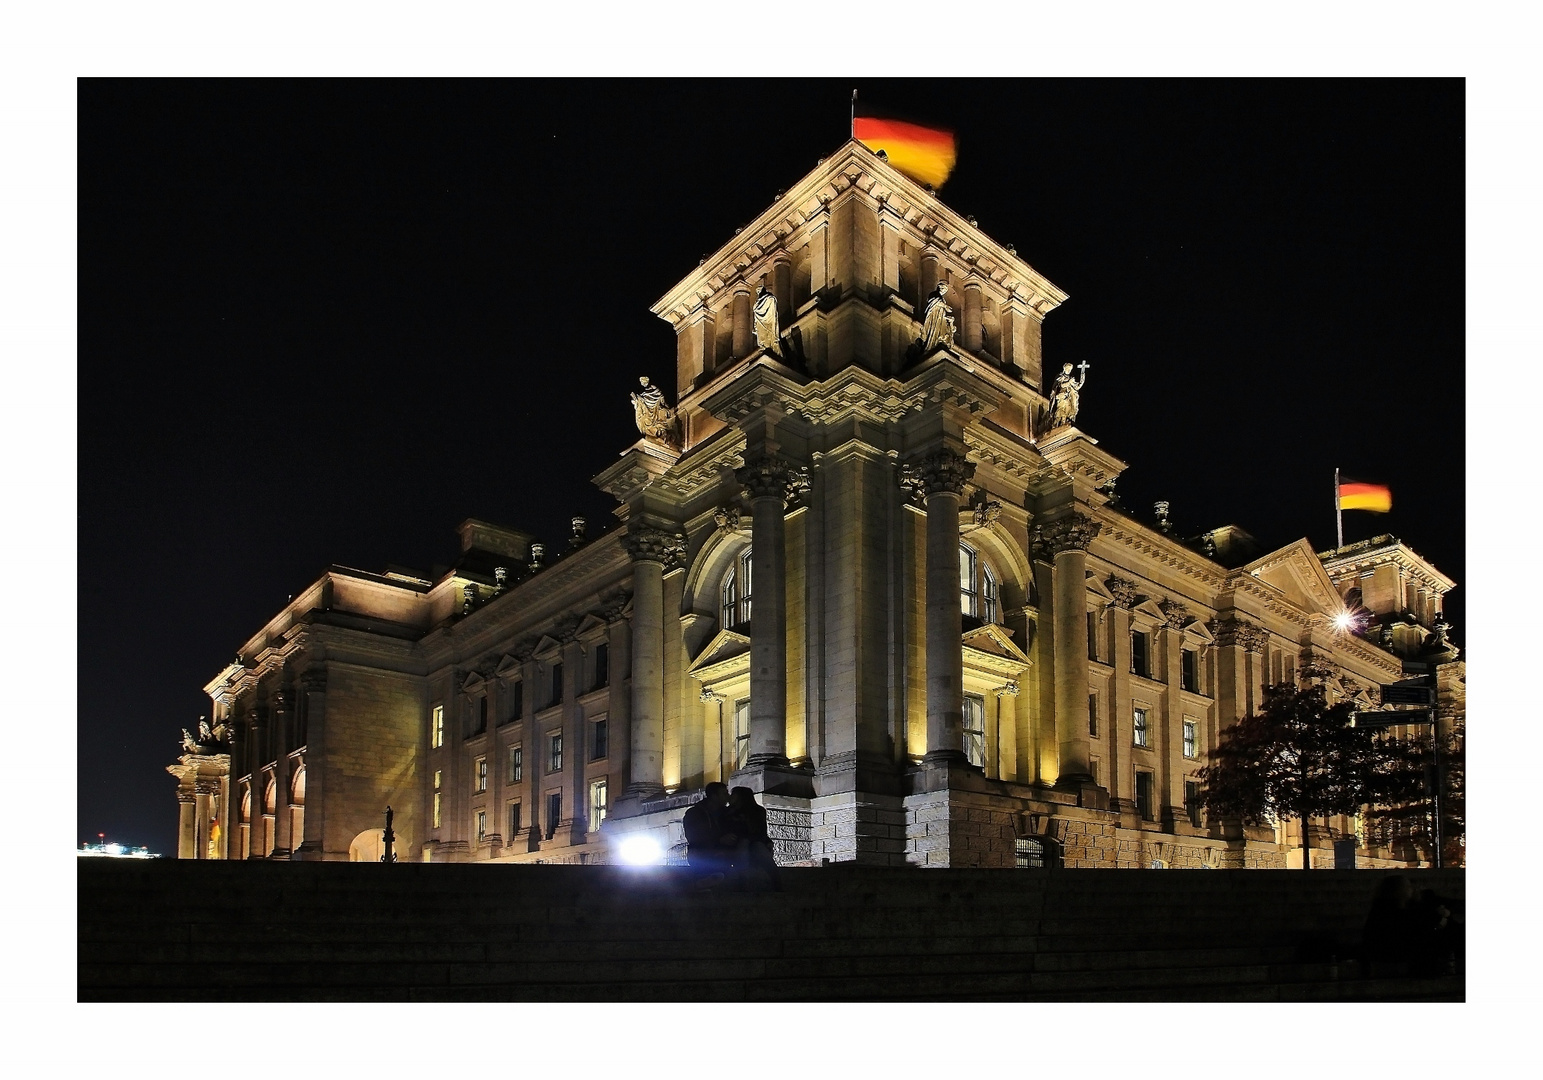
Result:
x=114 y=849
x=641 y=851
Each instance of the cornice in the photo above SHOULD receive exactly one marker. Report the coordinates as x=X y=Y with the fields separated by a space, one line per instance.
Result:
x=1381 y=551
x=1121 y=531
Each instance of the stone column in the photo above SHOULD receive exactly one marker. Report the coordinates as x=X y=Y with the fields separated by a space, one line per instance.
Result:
x=282 y=817
x=313 y=688
x=1170 y=745
x=1066 y=541
x=187 y=825
x=652 y=550
x=782 y=288
x=743 y=338
x=257 y=758
x=766 y=485
x=1119 y=739
x=577 y=726
x=973 y=330
x=943 y=476
x=929 y=278
x=618 y=696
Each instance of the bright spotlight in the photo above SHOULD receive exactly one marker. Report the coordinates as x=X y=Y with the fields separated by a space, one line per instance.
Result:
x=1344 y=621
x=640 y=850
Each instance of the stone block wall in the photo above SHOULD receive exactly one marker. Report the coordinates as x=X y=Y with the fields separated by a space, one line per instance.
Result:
x=960 y=829
x=858 y=827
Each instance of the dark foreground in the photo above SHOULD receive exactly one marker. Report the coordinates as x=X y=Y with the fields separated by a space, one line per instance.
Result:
x=231 y=931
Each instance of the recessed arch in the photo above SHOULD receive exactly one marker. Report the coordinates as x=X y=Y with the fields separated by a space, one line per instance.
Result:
x=700 y=594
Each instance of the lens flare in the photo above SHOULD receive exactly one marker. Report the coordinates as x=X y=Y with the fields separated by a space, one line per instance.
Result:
x=640 y=851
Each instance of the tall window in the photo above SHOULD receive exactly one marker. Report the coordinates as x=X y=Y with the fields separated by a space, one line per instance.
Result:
x=975 y=729
x=514 y=819
x=602 y=665
x=1189 y=738
x=438 y=777
x=1092 y=716
x=980 y=591
x=516 y=764
x=554 y=810
x=482 y=715
x=741 y=733
x=1192 y=801
x=516 y=701
x=557 y=684
x=597 y=804
x=1092 y=635
x=1139 y=659
x=437 y=726
x=968 y=595
x=736 y=591
x=554 y=752
x=482 y=825
x=1189 y=671
x=1139 y=726
x=482 y=774
x=599 y=740
x=1144 y=796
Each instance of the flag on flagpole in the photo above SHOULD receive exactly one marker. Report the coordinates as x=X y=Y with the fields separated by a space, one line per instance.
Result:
x=922 y=153
x=1354 y=495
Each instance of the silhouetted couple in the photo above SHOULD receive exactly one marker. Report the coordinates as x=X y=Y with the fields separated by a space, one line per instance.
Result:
x=726 y=840
x=1423 y=931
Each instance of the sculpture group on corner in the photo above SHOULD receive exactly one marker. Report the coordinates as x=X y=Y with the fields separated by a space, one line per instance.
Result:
x=655 y=419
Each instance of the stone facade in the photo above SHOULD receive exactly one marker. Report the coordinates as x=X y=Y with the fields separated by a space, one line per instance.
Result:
x=868 y=581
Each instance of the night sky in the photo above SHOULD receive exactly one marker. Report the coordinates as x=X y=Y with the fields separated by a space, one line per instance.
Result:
x=327 y=321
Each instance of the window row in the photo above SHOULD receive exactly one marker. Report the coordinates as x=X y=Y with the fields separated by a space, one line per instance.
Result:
x=1141 y=656
x=1141 y=728
x=550 y=678
x=1146 y=806
x=599 y=807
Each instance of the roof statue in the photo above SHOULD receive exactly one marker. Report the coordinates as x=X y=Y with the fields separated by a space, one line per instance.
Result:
x=937 y=320
x=655 y=419
x=1063 y=397
x=767 y=330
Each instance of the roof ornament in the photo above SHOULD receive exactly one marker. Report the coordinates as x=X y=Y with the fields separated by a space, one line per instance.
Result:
x=937 y=321
x=1064 y=396
x=655 y=419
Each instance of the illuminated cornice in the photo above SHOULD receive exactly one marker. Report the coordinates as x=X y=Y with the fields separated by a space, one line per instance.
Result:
x=1383 y=550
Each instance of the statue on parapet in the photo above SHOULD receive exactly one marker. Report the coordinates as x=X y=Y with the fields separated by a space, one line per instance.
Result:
x=1064 y=401
x=655 y=419
x=937 y=321
x=768 y=331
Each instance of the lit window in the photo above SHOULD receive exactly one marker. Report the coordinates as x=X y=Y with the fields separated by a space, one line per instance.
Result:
x=975 y=729
x=482 y=774
x=599 y=740
x=438 y=778
x=967 y=592
x=736 y=591
x=1144 y=795
x=554 y=756
x=437 y=726
x=991 y=594
x=482 y=825
x=597 y=804
x=1139 y=723
x=516 y=764
x=741 y=733
x=1189 y=738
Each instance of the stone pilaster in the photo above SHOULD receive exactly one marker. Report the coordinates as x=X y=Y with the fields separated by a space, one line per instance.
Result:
x=283 y=844
x=257 y=756
x=313 y=690
x=1065 y=542
x=653 y=551
x=1170 y=738
x=943 y=476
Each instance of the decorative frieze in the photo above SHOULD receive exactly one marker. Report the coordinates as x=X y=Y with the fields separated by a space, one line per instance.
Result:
x=1075 y=531
x=727 y=518
x=988 y=514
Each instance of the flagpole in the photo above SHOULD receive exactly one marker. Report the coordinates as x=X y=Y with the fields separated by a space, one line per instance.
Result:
x=852 y=133
x=1339 y=520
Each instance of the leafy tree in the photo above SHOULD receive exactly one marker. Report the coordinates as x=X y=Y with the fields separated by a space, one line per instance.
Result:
x=1299 y=757
x=1411 y=817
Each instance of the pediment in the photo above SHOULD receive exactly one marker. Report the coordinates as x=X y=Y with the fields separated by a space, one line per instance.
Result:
x=726 y=645
x=1296 y=572
x=1196 y=630
x=508 y=667
x=472 y=683
x=1098 y=589
x=991 y=646
x=591 y=627
x=546 y=648
x=1149 y=608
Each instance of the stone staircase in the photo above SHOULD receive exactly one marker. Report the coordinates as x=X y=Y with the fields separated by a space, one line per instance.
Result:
x=172 y=930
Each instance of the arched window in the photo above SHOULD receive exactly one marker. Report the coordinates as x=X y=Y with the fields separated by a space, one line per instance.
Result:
x=980 y=592
x=736 y=591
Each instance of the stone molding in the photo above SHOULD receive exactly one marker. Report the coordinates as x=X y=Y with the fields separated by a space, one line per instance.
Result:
x=1073 y=532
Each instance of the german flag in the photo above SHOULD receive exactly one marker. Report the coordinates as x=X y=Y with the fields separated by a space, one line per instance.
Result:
x=922 y=153
x=1354 y=495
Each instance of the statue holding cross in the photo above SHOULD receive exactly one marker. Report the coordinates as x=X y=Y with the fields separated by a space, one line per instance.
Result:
x=1063 y=397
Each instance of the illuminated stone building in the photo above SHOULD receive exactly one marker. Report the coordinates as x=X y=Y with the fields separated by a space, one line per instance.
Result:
x=866 y=565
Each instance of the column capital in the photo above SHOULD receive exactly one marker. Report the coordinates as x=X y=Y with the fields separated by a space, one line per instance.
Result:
x=279 y=699
x=765 y=477
x=314 y=682
x=646 y=544
x=1175 y=614
x=1124 y=592
x=1236 y=631
x=942 y=473
x=1074 y=532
